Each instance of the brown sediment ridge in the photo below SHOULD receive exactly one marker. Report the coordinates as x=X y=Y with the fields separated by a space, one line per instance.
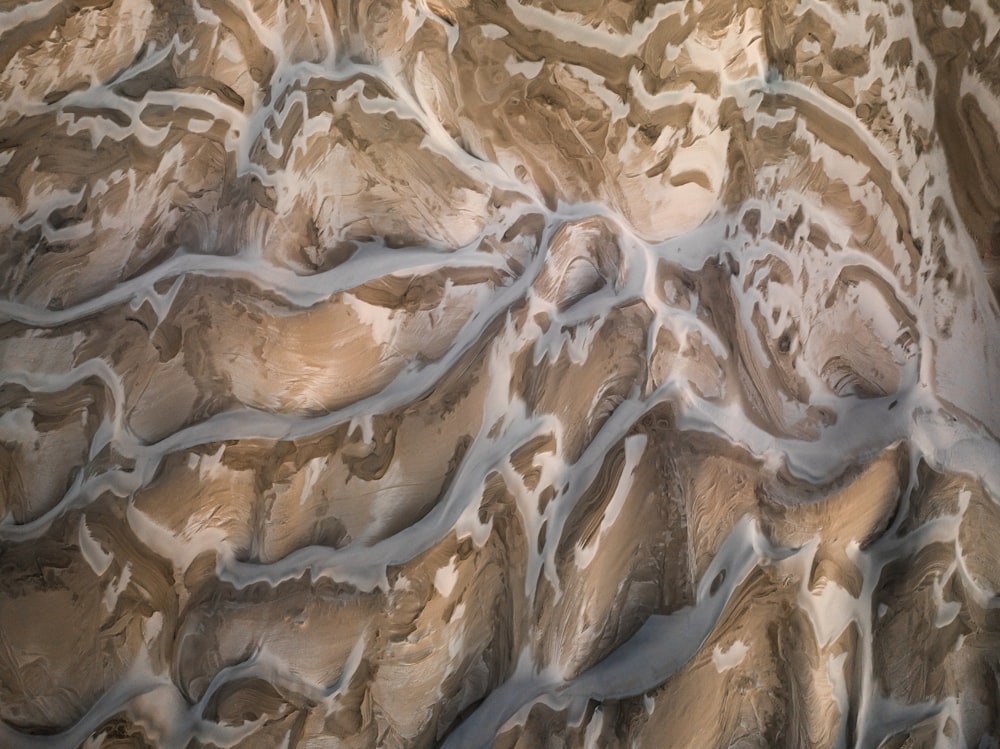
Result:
x=499 y=374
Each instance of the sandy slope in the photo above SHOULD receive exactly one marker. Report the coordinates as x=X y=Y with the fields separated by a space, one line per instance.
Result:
x=526 y=374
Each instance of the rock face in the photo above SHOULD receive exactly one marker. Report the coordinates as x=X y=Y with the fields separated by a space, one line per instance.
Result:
x=484 y=373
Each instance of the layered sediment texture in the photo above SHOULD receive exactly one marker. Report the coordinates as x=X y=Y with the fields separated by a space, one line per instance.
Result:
x=514 y=374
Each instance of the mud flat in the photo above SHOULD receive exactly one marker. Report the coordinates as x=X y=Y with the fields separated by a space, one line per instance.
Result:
x=499 y=374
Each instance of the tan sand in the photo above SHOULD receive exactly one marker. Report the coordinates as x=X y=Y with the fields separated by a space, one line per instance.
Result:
x=467 y=373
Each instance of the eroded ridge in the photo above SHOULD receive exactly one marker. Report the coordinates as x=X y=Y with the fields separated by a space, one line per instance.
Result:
x=502 y=374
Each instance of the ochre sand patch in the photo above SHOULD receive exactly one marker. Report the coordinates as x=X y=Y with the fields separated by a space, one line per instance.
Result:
x=515 y=374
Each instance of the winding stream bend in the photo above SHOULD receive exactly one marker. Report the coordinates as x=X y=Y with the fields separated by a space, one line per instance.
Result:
x=499 y=373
